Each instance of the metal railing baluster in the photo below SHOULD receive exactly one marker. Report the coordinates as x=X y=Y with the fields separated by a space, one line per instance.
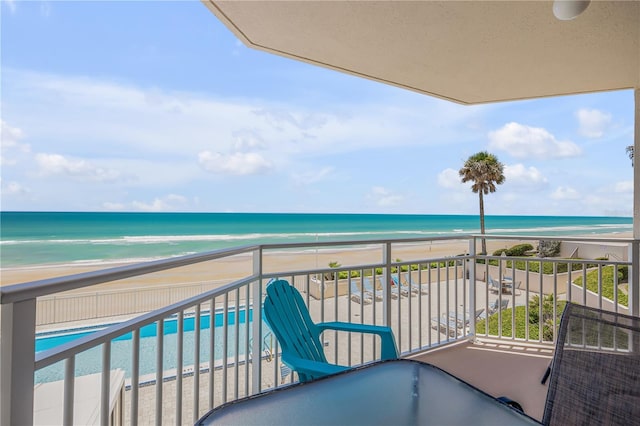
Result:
x=196 y=363
x=236 y=344
x=179 y=366
x=212 y=350
x=105 y=384
x=68 y=395
x=225 y=348
x=135 y=375
x=159 y=371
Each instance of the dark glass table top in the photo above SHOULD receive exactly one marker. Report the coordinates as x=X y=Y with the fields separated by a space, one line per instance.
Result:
x=398 y=392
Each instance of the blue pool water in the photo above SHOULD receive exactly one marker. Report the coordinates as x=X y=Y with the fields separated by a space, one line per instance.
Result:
x=90 y=362
x=47 y=341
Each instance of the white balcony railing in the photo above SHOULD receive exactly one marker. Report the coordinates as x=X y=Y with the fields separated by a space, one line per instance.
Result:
x=199 y=345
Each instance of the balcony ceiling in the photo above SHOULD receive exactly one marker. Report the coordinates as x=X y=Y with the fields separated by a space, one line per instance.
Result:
x=464 y=51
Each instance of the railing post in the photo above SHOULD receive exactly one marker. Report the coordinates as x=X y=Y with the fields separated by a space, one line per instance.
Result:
x=634 y=278
x=386 y=277
x=634 y=271
x=17 y=362
x=471 y=273
x=256 y=344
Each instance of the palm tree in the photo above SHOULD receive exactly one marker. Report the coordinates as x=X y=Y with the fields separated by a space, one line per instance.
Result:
x=630 y=153
x=485 y=171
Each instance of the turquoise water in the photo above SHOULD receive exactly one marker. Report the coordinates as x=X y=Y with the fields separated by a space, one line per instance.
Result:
x=37 y=238
x=50 y=340
x=90 y=362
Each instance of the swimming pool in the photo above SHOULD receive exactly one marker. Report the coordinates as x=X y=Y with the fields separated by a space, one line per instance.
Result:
x=90 y=361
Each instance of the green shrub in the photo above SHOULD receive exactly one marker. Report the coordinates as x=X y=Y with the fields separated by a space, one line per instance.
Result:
x=519 y=249
x=521 y=324
x=548 y=248
x=534 y=266
x=624 y=270
x=607 y=283
x=331 y=275
x=499 y=252
x=343 y=275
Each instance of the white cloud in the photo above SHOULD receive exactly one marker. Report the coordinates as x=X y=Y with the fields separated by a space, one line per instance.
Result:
x=45 y=9
x=10 y=144
x=239 y=163
x=113 y=206
x=4 y=161
x=449 y=178
x=523 y=141
x=522 y=176
x=167 y=203
x=11 y=4
x=624 y=187
x=10 y=135
x=13 y=188
x=238 y=46
x=383 y=197
x=565 y=193
x=246 y=141
x=56 y=164
x=135 y=120
x=312 y=176
x=593 y=122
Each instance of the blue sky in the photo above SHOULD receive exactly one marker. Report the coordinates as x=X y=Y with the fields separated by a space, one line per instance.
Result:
x=156 y=106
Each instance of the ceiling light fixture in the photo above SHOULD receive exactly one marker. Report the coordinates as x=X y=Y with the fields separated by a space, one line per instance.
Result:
x=566 y=10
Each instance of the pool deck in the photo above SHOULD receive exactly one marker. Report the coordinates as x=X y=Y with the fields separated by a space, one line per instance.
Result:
x=478 y=363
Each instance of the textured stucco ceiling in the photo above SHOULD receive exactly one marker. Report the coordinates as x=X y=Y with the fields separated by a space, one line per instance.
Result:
x=465 y=51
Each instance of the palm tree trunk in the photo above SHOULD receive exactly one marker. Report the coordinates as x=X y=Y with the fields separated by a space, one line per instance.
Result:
x=484 y=242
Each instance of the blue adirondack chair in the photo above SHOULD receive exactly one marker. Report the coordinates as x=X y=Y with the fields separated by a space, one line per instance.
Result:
x=299 y=337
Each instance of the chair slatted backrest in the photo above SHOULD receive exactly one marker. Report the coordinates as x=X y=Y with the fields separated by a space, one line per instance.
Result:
x=595 y=373
x=289 y=319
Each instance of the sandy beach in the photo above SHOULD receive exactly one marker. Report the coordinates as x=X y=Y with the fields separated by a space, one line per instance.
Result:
x=233 y=267
x=237 y=266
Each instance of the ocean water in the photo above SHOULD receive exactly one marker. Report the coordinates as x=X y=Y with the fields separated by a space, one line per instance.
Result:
x=43 y=238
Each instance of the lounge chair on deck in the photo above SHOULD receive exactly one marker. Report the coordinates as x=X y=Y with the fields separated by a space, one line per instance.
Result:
x=288 y=317
x=445 y=323
x=397 y=288
x=494 y=285
x=508 y=286
x=370 y=289
x=497 y=305
x=413 y=287
x=379 y=294
x=357 y=295
x=463 y=321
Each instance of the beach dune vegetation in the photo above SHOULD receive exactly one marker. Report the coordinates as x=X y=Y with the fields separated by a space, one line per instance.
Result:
x=519 y=250
x=533 y=323
x=607 y=283
x=485 y=171
x=548 y=248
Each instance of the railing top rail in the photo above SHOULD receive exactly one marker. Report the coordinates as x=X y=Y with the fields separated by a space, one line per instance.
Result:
x=364 y=242
x=329 y=269
x=554 y=260
x=33 y=289
x=620 y=240
x=29 y=290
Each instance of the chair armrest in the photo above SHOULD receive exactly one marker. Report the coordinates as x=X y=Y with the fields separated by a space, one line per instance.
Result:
x=389 y=350
x=311 y=369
